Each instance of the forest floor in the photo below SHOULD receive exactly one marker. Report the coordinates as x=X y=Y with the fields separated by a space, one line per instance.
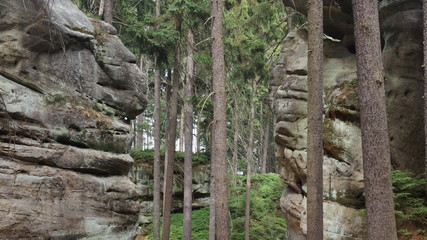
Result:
x=410 y=231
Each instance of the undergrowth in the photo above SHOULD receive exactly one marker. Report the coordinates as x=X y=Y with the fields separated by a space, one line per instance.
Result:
x=267 y=220
x=409 y=197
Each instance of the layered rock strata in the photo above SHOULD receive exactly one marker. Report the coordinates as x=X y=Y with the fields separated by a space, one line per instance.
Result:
x=401 y=26
x=68 y=87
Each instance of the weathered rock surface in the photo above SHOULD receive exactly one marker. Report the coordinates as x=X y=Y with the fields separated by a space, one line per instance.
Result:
x=67 y=87
x=401 y=23
x=142 y=175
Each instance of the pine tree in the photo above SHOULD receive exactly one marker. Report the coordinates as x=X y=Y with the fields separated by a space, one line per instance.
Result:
x=250 y=158
x=219 y=128
x=171 y=137
x=188 y=107
x=157 y=144
x=315 y=122
x=381 y=224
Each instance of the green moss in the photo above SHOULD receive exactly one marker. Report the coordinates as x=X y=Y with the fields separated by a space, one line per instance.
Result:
x=77 y=29
x=350 y=199
x=353 y=83
x=56 y=99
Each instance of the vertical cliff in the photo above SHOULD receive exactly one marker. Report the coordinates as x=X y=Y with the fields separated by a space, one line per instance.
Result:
x=401 y=26
x=68 y=87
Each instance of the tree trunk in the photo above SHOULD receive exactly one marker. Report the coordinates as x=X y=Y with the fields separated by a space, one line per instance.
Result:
x=212 y=204
x=250 y=158
x=266 y=143
x=188 y=167
x=108 y=11
x=157 y=144
x=235 y=138
x=134 y=133
x=101 y=8
x=375 y=142
x=171 y=138
x=198 y=134
x=219 y=130
x=181 y=132
x=315 y=122
x=425 y=86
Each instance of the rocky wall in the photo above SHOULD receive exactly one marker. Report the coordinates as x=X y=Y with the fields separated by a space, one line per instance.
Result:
x=68 y=88
x=401 y=28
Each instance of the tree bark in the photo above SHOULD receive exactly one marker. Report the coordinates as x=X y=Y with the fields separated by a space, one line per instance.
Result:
x=219 y=130
x=108 y=11
x=188 y=167
x=198 y=134
x=375 y=142
x=181 y=131
x=212 y=204
x=235 y=138
x=157 y=144
x=266 y=143
x=425 y=85
x=171 y=138
x=250 y=158
x=101 y=8
x=315 y=122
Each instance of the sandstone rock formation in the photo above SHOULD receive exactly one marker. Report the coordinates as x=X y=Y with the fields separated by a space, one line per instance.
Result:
x=68 y=87
x=401 y=23
x=141 y=174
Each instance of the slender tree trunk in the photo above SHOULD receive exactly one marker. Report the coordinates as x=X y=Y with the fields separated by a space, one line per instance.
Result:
x=198 y=134
x=250 y=157
x=381 y=223
x=157 y=144
x=108 y=11
x=266 y=143
x=181 y=131
x=425 y=85
x=134 y=133
x=141 y=137
x=171 y=138
x=219 y=130
x=212 y=189
x=101 y=8
x=235 y=137
x=315 y=122
x=212 y=204
x=188 y=167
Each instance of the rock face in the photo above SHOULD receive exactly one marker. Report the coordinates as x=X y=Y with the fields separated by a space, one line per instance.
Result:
x=142 y=175
x=401 y=23
x=67 y=88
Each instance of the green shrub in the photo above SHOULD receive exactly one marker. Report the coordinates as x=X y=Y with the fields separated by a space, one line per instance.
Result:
x=409 y=197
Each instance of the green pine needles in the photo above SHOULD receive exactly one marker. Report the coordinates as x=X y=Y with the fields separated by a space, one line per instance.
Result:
x=409 y=197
